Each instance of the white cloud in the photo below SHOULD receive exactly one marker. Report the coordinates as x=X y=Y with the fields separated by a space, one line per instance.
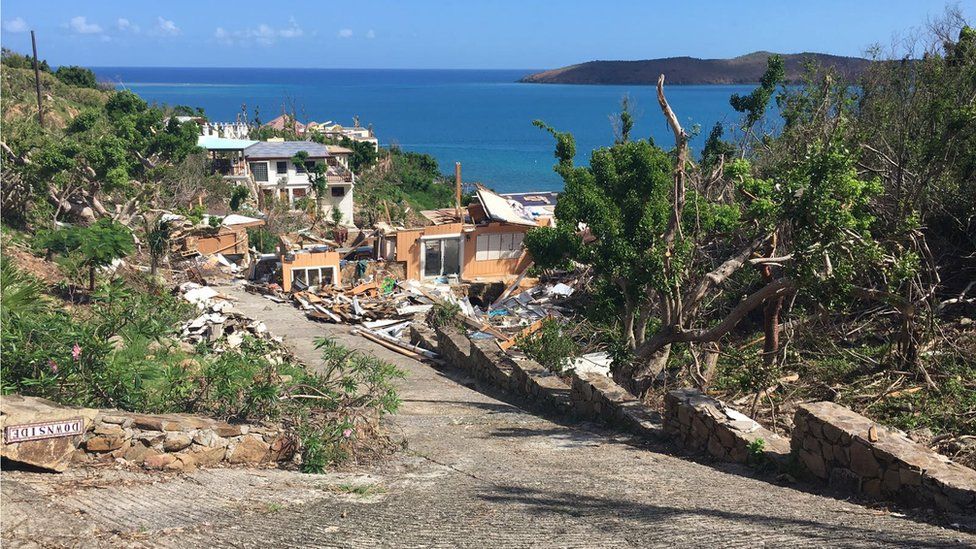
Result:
x=263 y=34
x=81 y=25
x=371 y=34
x=17 y=24
x=166 y=27
x=345 y=33
x=125 y=25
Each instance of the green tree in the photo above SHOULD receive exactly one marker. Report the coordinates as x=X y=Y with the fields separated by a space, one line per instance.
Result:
x=77 y=76
x=316 y=176
x=97 y=245
x=665 y=241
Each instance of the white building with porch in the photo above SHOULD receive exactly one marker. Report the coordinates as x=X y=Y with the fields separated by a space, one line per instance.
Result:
x=277 y=176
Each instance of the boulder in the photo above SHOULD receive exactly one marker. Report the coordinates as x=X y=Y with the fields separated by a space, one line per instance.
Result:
x=250 y=449
x=53 y=453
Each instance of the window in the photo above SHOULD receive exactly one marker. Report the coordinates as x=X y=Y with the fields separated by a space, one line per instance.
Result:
x=309 y=166
x=338 y=192
x=260 y=171
x=298 y=193
x=281 y=167
x=498 y=246
x=312 y=276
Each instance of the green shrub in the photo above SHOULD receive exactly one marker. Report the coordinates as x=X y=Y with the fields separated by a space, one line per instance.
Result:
x=444 y=314
x=550 y=346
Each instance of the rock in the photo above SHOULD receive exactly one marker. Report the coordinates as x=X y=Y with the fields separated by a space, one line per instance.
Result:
x=117 y=342
x=149 y=423
x=814 y=463
x=105 y=443
x=115 y=420
x=207 y=437
x=227 y=430
x=872 y=487
x=175 y=442
x=863 y=461
x=138 y=453
x=183 y=462
x=52 y=454
x=110 y=429
x=158 y=461
x=922 y=436
x=250 y=449
x=208 y=456
x=282 y=448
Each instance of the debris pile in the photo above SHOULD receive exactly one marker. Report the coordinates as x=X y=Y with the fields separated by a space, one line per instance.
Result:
x=222 y=327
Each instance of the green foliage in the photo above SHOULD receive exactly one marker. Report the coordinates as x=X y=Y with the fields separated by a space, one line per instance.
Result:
x=238 y=196
x=413 y=181
x=363 y=155
x=76 y=76
x=444 y=314
x=20 y=293
x=550 y=346
x=262 y=239
x=756 y=451
x=15 y=60
x=715 y=148
x=97 y=245
x=754 y=104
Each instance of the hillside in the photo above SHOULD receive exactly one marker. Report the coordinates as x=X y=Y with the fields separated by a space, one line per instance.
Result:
x=62 y=102
x=744 y=69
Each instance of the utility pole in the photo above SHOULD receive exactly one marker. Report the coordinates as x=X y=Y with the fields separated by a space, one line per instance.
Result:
x=37 y=81
x=457 y=191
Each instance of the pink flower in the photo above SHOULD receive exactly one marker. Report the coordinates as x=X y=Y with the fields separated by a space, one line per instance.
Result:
x=347 y=433
x=52 y=365
x=76 y=352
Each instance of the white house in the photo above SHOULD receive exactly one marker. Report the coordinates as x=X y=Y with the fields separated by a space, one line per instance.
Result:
x=271 y=166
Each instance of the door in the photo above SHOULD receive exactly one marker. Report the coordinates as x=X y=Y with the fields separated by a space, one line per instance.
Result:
x=442 y=257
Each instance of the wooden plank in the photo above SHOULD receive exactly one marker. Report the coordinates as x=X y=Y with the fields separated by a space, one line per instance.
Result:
x=362 y=288
x=530 y=329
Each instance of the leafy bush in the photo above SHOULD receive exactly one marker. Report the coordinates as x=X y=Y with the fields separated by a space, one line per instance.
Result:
x=550 y=346
x=444 y=314
x=77 y=76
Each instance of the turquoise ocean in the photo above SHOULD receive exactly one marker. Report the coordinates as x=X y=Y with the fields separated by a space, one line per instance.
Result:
x=481 y=118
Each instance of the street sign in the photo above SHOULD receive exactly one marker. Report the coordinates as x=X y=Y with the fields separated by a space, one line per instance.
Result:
x=39 y=431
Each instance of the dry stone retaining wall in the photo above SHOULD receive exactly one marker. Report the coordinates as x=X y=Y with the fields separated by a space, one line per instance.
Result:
x=852 y=453
x=699 y=422
x=172 y=442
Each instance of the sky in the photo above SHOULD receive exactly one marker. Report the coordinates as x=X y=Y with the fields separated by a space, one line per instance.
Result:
x=521 y=34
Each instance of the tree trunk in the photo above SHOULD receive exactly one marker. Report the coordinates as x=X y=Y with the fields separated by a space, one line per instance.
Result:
x=91 y=278
x=771 y=330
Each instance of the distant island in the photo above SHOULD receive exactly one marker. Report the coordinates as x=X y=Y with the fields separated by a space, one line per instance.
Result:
x=744 y=69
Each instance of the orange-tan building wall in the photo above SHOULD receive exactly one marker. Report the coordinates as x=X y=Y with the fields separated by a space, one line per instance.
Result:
x=310 y=259
x=226 y=241
x=408 y=247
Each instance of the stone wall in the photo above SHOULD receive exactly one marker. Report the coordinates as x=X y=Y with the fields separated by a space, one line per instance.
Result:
x=599 y=397
x=172 y=442
x=701 y=423
x=586 y=396
x=852 y=453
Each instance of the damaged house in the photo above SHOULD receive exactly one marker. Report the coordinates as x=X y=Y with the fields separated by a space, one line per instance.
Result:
x=274 y=172
x=482 y=242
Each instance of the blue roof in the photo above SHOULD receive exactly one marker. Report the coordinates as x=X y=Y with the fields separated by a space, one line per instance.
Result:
x=212 y=143
x=286 y=149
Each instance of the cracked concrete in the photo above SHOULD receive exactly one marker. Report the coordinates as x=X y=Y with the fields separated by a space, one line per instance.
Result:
x=479 y=470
